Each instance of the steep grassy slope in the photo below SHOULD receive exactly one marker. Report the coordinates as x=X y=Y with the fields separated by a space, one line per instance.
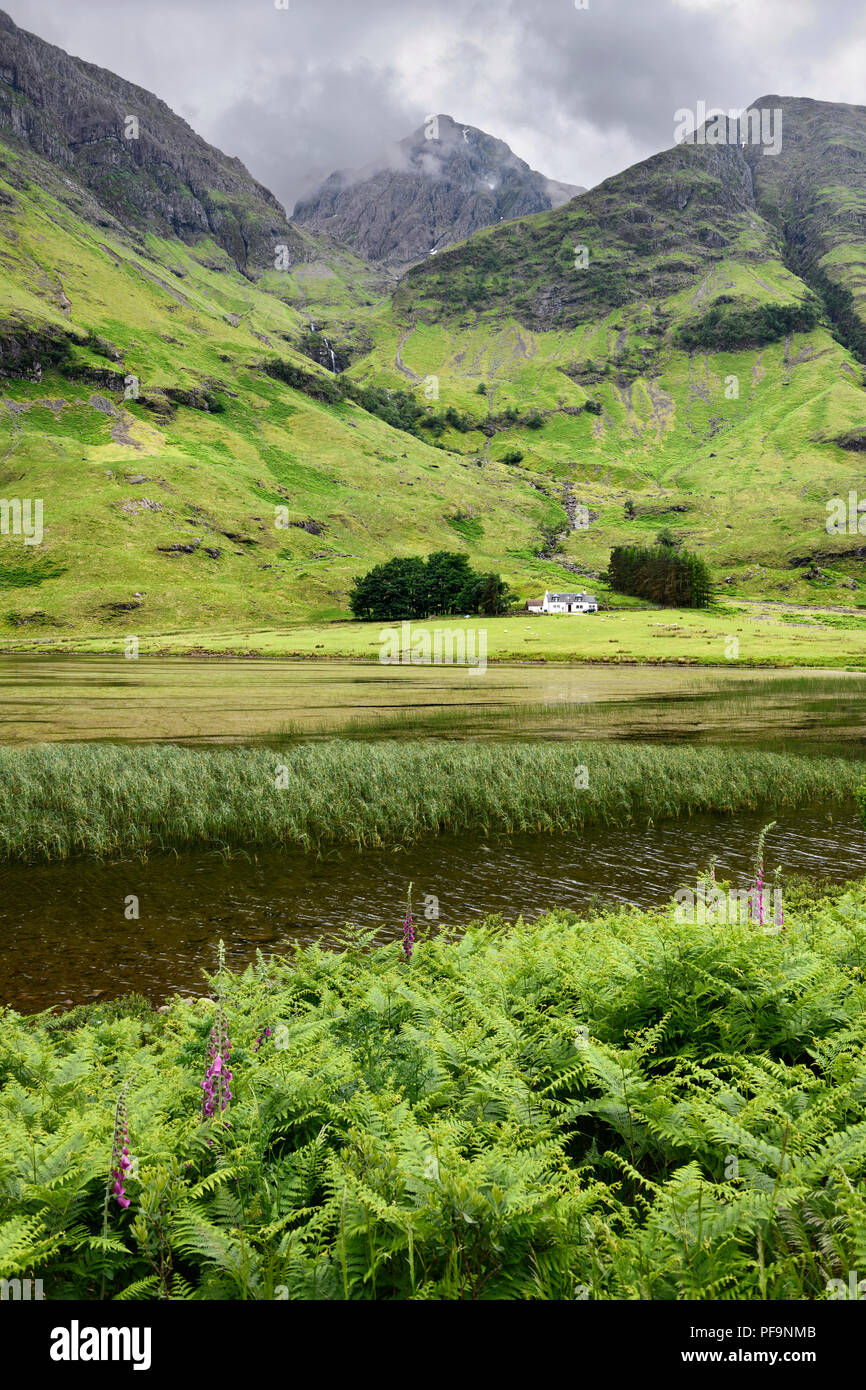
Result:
x=814 y=190
x=209 y=450
x=679 y=348
x=743 y=480
x=685 y=373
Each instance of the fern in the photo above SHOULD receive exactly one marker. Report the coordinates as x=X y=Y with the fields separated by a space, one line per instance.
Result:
x=441 y=1135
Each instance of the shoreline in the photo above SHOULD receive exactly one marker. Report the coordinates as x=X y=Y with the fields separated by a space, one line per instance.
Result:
x=302 y=658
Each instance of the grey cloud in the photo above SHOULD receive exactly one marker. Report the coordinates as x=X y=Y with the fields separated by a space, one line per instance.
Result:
x=334 y=84
x=293 y=133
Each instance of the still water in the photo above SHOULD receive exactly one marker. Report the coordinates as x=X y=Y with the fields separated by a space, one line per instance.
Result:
x=66 y=939
x=237 y=701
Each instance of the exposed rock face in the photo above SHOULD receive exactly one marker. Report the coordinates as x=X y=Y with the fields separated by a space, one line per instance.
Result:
x=28 y=351
x=159 y=175
x=436 y=187
x=814 y=190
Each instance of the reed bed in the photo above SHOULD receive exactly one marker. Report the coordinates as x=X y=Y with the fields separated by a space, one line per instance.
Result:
x=62 y=800
x=758 y=709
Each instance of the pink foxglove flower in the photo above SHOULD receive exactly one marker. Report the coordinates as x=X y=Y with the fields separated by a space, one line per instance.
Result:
x=120 y=1160
x=217 y=1082
x=756 y=897
x=408 y=928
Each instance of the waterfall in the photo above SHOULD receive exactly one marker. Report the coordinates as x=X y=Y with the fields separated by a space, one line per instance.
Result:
x=331 y=354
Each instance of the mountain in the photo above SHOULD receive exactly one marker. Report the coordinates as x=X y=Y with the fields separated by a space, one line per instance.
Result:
x=648 y=234
x=124 y=160
x=653 y=230
x=681 y=347
x=161 y=392
x=814 y=192
x=144 y=164
x=438 y=186
x=219 y=443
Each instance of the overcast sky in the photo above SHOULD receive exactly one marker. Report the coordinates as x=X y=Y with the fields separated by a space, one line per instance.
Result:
x=579 y=94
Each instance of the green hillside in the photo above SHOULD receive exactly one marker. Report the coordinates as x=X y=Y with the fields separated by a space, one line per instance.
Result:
x=680 y=348
x=161 y=510
x=687 y=373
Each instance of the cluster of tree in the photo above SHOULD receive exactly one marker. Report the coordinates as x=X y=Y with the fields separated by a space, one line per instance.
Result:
x=846 y=325
x=313 y=384
x=723 y=327
x=399 y=409
x=509 y=419
x=413 y=588
x=661 y=573
x=437 y=422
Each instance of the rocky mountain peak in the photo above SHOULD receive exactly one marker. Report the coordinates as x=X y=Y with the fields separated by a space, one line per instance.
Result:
x=437 y=186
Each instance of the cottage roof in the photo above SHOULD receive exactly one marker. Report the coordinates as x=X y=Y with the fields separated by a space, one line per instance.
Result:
x=570 y=598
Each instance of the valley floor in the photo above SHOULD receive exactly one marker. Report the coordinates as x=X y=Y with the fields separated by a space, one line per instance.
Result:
x=745 y=634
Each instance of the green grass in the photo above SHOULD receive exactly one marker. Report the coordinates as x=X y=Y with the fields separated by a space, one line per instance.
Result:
x=765 y=636
x=624 y=1107
x=61 y=800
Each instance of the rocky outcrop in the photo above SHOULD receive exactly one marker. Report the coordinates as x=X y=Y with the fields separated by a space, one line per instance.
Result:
x=28 y=350
x=851 y=439
x=435 y=188
x=143 y=163
x=813 y=190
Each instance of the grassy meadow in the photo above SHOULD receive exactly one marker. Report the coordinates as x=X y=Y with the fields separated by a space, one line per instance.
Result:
x=623 y=1107
x=765 y=635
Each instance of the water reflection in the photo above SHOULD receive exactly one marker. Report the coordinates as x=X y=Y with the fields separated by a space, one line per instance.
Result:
x=65 y=937
x=209 y=702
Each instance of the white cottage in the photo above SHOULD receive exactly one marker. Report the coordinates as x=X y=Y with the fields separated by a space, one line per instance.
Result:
x=568 y=603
